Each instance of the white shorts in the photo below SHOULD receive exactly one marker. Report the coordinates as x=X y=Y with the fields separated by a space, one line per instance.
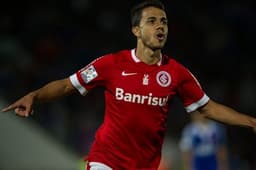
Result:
x=96 y=166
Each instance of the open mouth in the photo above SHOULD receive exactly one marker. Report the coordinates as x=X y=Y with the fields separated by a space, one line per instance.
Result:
x=160 y=36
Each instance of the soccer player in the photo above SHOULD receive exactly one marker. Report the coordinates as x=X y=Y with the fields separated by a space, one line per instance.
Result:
x=139 y=85
x=203 y=145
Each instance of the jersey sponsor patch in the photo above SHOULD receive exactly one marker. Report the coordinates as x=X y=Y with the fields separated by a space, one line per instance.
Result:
x=163 y=78
x=89 y=74
x=149 y=99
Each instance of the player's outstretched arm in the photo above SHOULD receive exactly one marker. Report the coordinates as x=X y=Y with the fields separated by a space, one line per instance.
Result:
x=53 y=90
x=227 y=115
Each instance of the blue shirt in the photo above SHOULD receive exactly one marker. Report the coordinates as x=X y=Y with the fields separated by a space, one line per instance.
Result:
x=203 y=141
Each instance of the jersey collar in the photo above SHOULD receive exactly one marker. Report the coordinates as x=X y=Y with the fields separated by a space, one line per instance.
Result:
x=137 y=60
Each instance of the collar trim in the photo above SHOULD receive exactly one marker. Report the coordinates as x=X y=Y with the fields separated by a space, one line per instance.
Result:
x=137 y=60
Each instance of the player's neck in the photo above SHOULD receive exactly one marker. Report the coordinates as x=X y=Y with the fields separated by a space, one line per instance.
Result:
x=148 y=56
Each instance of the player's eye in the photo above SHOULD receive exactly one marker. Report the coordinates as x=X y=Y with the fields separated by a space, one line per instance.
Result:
x=164 y=22
x=151 y=21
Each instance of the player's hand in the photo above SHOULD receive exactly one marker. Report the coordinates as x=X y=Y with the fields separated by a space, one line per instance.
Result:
x=22 y=107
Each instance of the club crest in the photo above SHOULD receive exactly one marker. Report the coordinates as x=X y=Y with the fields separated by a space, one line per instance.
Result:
x=163 y=78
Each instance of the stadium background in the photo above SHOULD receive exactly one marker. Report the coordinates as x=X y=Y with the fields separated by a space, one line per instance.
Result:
x=42 y=41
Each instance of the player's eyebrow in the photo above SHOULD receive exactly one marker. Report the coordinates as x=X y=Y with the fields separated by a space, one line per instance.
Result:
x=162 y=19
x=153 y=17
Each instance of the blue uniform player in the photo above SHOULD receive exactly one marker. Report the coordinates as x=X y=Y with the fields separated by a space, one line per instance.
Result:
x=203 y=145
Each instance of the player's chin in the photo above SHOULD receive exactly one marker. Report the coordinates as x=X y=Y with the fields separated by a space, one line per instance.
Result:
x=157 y=47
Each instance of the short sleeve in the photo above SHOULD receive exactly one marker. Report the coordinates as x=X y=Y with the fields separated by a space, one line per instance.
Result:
x=92 y=75
x=190 y=91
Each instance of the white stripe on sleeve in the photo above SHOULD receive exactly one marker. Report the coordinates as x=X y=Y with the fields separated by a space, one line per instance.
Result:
x=75 y=82
x=192 y=107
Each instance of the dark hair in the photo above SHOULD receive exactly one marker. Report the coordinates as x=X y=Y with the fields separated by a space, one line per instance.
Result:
x=136 y=11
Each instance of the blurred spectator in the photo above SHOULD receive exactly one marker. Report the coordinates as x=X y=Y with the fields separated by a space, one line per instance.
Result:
x=203 y=145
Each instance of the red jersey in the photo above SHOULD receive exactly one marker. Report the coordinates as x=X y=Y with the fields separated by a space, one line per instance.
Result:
x=137 y=96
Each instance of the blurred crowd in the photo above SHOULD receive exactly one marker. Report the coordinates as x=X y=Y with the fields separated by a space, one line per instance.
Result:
x=41 y=41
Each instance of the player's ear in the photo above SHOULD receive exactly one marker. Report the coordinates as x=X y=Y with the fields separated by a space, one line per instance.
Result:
x=136 y=31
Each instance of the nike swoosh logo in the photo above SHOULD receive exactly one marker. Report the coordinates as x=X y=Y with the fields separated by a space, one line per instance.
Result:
x=128 y=74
